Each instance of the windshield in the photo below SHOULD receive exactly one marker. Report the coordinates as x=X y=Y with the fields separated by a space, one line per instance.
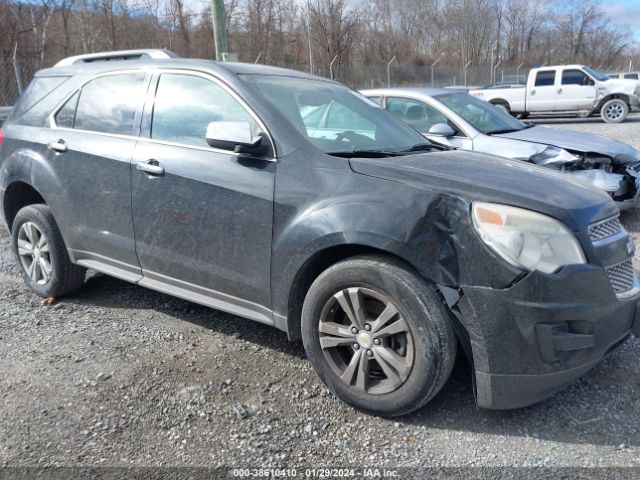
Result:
x=601 y=77
x=335 y=118
x=481 y=115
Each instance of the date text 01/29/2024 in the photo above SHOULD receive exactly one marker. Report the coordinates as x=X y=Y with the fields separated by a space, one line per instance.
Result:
x=314 y=473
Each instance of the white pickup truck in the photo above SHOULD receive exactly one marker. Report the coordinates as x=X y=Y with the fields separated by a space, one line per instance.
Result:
x=567 y=89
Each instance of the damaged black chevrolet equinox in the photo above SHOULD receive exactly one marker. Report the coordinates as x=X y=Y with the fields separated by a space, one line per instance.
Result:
x=296 y=202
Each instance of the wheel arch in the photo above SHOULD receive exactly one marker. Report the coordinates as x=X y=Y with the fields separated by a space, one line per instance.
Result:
x=318 y=263
x=622 y=96
x=17 y=195
x=500 y=101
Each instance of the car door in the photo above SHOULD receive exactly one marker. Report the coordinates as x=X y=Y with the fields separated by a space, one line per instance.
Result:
x=91 y=141
x=543 y=93
x=422 y=116
x=577 y=91
x=203 y=216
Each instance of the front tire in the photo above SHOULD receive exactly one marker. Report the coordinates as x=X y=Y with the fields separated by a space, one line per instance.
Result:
x=378 y=335
x=42 y=255
x=614 y=111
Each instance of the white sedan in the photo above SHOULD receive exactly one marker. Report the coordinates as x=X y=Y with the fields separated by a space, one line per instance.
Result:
x=462 y=121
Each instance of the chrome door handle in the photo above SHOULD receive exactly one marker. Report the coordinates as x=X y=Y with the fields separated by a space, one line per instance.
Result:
x=152 y=167
x=60 y=146
x=559 y=90
x=533 y=92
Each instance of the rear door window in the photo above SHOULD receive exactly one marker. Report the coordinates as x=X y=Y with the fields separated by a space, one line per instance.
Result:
x=108 y=104
x=631 y=76
x=545 y=78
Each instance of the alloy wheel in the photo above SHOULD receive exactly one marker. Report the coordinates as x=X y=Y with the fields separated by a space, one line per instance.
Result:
x=614 y=111
x=34 y=253
x=366 y=341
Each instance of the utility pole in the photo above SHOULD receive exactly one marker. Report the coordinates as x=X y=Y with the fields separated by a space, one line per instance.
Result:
x=219 y=30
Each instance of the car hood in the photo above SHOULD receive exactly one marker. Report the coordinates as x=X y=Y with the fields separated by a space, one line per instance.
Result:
x=481 y=177
x=570 y=140
x=620 y=85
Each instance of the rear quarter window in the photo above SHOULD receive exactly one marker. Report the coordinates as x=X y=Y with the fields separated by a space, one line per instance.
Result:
x=37 y=90
x=66 y=115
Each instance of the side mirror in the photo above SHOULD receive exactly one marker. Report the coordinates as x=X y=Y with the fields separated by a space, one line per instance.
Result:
x=442 y=130
x=236 y=137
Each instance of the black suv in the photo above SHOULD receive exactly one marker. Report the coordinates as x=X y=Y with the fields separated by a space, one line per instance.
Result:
x=212 y=182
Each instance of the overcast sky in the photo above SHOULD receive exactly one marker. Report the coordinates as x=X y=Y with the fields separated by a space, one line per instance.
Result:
x=625 y=12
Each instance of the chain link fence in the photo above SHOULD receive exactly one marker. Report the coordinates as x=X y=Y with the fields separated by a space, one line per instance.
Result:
x=354 y=74
x=15 y=74
x=9 y=90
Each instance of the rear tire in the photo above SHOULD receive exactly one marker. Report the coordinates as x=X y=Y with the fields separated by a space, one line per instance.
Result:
x=614 y=111
x=378 y=335
x=42 y=255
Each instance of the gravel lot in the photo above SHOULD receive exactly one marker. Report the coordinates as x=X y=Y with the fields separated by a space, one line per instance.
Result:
x=122 y=376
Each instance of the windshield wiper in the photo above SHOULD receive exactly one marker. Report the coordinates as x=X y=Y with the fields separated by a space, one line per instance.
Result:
x=363 y=153
x=426 y=146
x=506 y=130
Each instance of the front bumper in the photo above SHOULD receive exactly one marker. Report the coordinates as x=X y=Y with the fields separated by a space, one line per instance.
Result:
x=532 y=339
x=634 y=202
x=630 y=203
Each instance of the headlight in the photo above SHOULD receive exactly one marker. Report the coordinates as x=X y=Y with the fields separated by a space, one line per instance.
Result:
x=526 y=239
x=553 y=156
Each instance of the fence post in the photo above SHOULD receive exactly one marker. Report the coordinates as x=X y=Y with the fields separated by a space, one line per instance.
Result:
x=310 y=41
x=518 y=71
x=258 y=57
x=465 y=73
x=495 y=71
x=493 y=53
x=331 y=67
x=432 y=66
x=16 y=69
x=389 y=70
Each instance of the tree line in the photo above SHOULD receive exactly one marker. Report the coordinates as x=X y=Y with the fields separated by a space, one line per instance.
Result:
x=293 y=33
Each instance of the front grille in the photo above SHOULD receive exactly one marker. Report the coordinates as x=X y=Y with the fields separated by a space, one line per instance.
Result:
x=621 y=276
x=607 y=228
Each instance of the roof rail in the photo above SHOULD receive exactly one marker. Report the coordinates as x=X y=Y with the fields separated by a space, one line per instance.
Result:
x=153 y=54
